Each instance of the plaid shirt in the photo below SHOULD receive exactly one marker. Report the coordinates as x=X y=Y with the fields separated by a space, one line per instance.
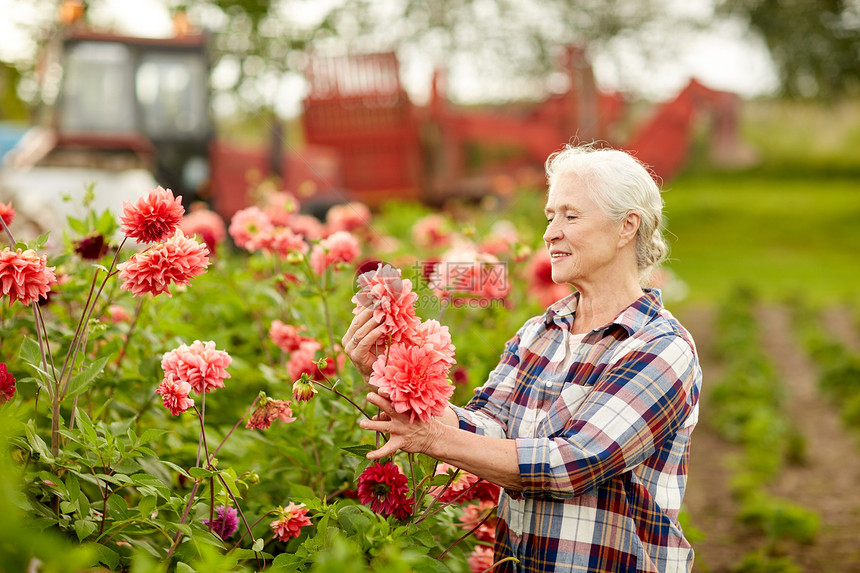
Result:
x=602 y=424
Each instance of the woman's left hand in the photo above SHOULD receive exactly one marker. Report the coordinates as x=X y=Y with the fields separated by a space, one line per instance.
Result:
x=411 y=437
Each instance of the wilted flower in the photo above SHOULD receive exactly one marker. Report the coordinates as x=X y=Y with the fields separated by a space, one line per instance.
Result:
x=7 y=213
x=153 y=218
x=226 y=523
x=177 y=260
x=339 y=247
x=200 y=364
x=268 y=410
x=25 y=276
x=174 y=394
x=348 y=217
x=290 y=521
x=481 y=559
x=384 y=488
x=415 y=378
x=391 y=299
x=303 y=389
x=287 y=337
x=7 y=384
x=462 y=481
x=247 y=226
x=92 y=247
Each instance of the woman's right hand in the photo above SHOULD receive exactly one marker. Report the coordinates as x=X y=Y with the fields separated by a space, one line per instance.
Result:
x=360 y=341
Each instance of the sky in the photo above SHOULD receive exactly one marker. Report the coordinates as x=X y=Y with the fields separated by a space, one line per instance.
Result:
x=722 y=58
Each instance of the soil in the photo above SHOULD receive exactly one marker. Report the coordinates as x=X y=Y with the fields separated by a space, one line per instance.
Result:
x=826 y=482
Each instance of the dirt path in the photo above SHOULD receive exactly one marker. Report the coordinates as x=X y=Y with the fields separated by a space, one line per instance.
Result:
x=708 y=499
x=828 y=481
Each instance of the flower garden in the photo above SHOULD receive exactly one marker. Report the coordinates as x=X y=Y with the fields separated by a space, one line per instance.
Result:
x=175 y=395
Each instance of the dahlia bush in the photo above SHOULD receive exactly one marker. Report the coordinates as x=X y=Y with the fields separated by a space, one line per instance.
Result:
x=173 y=395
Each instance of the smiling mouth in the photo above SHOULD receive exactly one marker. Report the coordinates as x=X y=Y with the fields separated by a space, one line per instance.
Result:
x=557 y=256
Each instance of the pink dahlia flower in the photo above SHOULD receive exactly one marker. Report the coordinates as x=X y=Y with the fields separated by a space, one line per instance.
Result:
x=7 y=384
x=302 y=359
x=481 y=559
x=25 y=276
x=462 y=482
x=431 y=232
x=280 y=207
x=435 y=338
x=416 y=380
x=287 y=337
x=177 y=260
x=290 y=521
x=268 y=410
x=206 y=224
x=281 y=241
x=339 y=247
x=385 y=489
x=348 y=217
x=200 y=364
x=391 y=299
x=153 y=218
x=472 y=516
x=307 y=226
x=465 y=270
x=7 y=213
x=248 y=226
x=225 y=523
x=174 y=394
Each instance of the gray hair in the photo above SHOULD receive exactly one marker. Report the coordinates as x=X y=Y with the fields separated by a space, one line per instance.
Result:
x=619 y=184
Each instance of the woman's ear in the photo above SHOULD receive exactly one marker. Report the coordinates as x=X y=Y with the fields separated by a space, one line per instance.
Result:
x=629 y=228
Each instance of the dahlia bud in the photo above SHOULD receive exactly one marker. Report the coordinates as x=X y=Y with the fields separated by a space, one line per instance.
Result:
x=303 y=389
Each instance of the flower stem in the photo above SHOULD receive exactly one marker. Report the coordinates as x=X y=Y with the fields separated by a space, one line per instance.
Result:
x=465 y=535
x=128 y=334
x=345 y=397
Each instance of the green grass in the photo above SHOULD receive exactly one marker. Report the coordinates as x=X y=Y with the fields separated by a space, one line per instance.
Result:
x=782 y=236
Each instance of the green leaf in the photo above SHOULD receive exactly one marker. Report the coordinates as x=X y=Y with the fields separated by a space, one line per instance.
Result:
x=242 y=553
x=198 y=473
x=258 y=544
x=360 y=450
x=107 y=555
x=118 y=506
x=151 y=434
x=84 y=528
x=81 y=380
x=86 y=426
x=31 y=353
x=184 y=568
x=77 y=225
x=73 y=487
x=147 y=505
x=36 y=442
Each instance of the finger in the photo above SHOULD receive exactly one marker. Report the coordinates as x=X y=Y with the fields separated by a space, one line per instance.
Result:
x=357 y=322
x=382 y=403
x=375 y=426
x=390 y=448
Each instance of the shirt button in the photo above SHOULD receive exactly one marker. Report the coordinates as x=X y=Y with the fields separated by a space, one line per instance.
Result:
x=548 y=384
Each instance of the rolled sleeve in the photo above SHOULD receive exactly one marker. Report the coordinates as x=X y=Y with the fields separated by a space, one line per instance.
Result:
x=635 y=407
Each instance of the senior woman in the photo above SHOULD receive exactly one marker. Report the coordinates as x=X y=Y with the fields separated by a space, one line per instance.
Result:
x=586 y=421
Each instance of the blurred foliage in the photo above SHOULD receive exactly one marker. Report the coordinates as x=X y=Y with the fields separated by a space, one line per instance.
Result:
x=11 y=106
x=815 y=44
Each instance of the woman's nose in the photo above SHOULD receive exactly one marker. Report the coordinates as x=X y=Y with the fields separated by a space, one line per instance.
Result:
x=553 y=232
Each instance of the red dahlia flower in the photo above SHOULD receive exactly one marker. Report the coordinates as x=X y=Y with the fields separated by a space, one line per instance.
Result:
x=92 y=247
x=290 y=521
x=25 y=276
x=200 y=364
x=177 y=260
x=7 y=213
x=416 y=380
x=7 y=385
x=384 y=488
x=153 y=218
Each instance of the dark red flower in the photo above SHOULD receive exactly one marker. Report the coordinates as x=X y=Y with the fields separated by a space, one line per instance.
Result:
x=385 y=489
x=92 y=247
x=7 y=385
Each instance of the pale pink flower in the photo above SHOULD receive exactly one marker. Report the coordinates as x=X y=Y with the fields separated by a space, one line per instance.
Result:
x=472 y=516
x=290 y=521
x=247 y=226
x=25 y=276
x=7 y=213
x=431 y=232
x=348 y=217
x=307 y=226
x=286 y=336
x=435 y=338
x=481 y=559
x=281 y=241
x=177 y=260
x=200 y=364
x=280 y=207
x=154 y=217
x=174 y=394
x=268 y=410
x=415 y=378
x=392 y=300
x=462 y=482
x=339 y=247
x=466 y=270
x=117 y=314
x=206 y=224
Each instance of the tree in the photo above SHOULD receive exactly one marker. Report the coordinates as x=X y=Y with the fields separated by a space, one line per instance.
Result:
x=815 y=44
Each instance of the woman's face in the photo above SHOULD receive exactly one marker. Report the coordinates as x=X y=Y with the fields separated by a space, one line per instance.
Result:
x=582 y=241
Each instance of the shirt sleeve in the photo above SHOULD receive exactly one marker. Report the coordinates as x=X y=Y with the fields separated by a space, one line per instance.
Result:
x=638 y=404
x=488 y=412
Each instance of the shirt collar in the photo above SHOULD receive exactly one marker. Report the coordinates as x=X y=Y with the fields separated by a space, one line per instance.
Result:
x=631 y=318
